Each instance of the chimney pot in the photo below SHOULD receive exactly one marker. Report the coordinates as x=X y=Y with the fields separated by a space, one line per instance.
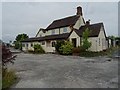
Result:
x=88 y=22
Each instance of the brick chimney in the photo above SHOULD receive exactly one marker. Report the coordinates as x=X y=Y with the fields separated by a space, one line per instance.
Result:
x=79 y=11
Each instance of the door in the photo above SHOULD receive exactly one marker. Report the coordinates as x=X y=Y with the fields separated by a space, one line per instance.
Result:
x=74 y=42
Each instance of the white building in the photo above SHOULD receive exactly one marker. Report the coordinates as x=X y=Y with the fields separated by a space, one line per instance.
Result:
x=68 y=28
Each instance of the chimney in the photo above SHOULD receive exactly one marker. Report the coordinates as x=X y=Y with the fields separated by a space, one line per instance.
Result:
x=79 y=11
x=88 y=22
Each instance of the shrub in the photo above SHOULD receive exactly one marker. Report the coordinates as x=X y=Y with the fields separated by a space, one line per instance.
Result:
x=82 y=49
x=66 y=49
x=38 y=49
x=89 y=54
x=58 y=45
x=76 y=50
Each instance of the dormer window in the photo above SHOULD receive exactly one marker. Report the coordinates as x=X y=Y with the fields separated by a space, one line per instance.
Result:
x=65 y=29
x=53 y=32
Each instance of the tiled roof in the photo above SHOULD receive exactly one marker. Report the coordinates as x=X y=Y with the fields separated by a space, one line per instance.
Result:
x=63 y=22
x=50 y=37
x=94 y=29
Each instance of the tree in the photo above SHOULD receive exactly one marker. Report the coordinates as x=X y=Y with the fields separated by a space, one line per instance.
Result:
x=86 y=44
x=19 y=38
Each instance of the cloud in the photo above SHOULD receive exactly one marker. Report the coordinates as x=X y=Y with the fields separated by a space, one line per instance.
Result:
x=28 y=17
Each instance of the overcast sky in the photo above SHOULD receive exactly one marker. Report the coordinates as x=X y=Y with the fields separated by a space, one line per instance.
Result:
x=28 y=17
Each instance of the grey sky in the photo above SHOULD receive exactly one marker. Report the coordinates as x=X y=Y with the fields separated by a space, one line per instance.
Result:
x=30 y=16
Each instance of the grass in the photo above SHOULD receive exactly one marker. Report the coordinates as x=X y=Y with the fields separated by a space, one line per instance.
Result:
x=8 y=79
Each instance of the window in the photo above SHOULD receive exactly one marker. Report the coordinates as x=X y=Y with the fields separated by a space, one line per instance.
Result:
x=53 y=32
x=65 y=29
x=31 y=45
x=99 y=41
x=53 y=44
x=23 y=45
x=43 y=42
x=26 y=45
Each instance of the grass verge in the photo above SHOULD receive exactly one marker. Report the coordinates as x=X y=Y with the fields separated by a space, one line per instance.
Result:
x=8 y=79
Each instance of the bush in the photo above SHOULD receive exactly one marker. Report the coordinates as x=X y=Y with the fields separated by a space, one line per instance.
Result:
x=66 y=49
x=89 y=54
x=58 y=45
x=38 y=49
x=76 y=50
x=82 y=49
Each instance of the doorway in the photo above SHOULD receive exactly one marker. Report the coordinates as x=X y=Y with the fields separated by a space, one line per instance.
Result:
x=74 y=42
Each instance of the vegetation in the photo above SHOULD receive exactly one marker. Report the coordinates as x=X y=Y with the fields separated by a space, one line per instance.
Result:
x=38 y=49
x=107 y=52
x=19 y=38
x=7 y=56
x=86 y=44
x=76 y=51
x=117 y=41
x=58 y=45
x=8 y=77
x=66 y=48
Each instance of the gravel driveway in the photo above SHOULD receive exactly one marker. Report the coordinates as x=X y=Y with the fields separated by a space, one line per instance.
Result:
x=56 y=71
